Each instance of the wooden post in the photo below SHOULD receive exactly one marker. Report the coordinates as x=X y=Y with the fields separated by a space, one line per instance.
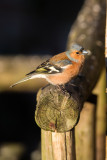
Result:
x=59 y=112
x=85 y=133
x=101 y=118
x=58 y=146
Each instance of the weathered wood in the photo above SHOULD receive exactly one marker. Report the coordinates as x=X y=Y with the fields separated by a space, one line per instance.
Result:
x=59 y=116
x=91 y=129
x=57 y=146
x=85 y=133
x=106 y=149
x=89 y=31
x=101 y=119
x=46 y=145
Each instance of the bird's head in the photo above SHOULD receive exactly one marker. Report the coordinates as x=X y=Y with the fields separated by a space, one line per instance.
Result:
x=76 y=53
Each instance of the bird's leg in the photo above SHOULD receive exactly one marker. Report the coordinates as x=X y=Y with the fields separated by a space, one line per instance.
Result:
x=62 y=88
x=59 y=88
x=73 y=84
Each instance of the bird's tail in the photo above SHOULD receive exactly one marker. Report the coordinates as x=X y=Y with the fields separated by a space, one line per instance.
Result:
x=22 y=80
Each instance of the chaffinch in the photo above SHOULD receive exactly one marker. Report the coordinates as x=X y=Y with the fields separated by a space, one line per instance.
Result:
x=61 y=68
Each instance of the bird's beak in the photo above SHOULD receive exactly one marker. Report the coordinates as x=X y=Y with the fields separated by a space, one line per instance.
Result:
x=84 y=52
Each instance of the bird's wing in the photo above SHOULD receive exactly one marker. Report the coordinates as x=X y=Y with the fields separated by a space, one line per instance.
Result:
x=63 y=63
x=50 y=67
x=46 y=68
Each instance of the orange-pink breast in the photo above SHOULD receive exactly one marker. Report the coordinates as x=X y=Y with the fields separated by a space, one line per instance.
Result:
x=64 y=77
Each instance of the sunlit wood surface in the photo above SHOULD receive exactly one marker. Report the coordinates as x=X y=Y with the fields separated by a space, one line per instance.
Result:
x=14 y=68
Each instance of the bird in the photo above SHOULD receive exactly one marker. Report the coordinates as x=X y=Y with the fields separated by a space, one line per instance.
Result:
x=61 y=68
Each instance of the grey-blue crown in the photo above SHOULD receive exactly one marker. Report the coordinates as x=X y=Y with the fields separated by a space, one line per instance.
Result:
x=76 y=47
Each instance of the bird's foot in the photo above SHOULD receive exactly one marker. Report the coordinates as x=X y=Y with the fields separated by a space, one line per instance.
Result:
x=62 y=88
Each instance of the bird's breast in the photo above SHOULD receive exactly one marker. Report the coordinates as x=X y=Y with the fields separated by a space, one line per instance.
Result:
x=64 y=77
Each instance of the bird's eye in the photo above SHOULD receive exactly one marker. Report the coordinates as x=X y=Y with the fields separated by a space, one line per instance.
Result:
x=77 y=52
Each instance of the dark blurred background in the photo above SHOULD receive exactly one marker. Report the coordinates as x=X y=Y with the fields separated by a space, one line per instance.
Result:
x=30 y=27
x=36 y=26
